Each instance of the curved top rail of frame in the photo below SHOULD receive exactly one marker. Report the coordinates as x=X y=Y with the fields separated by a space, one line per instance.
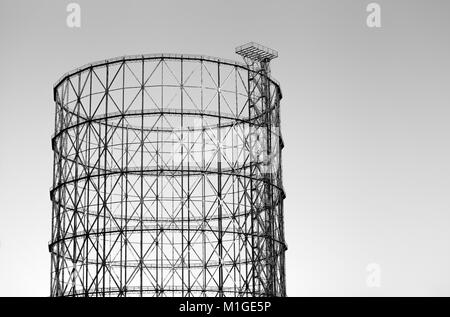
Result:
x=157 y=56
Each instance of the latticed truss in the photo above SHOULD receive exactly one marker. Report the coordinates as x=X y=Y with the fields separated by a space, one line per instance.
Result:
x=167 y=180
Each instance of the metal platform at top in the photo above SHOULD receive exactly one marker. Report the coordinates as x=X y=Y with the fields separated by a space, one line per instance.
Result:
x=256 y=52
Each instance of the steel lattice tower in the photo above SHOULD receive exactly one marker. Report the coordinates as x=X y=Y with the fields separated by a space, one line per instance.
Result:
x=167 y=178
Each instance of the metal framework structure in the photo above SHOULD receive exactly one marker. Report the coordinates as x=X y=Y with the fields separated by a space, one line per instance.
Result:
x=167 y=179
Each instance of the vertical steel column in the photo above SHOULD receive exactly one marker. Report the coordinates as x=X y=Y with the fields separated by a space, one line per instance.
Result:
x=219 y=182
x=182 y=176
x=141 y=244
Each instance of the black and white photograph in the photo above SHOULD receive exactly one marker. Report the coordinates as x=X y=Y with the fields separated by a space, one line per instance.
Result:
x=225 y=149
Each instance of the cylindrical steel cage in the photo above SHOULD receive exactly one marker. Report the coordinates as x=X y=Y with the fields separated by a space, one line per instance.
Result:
x=167 y=180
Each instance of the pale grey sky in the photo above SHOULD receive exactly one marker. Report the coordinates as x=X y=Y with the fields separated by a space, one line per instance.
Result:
x=365 y=120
